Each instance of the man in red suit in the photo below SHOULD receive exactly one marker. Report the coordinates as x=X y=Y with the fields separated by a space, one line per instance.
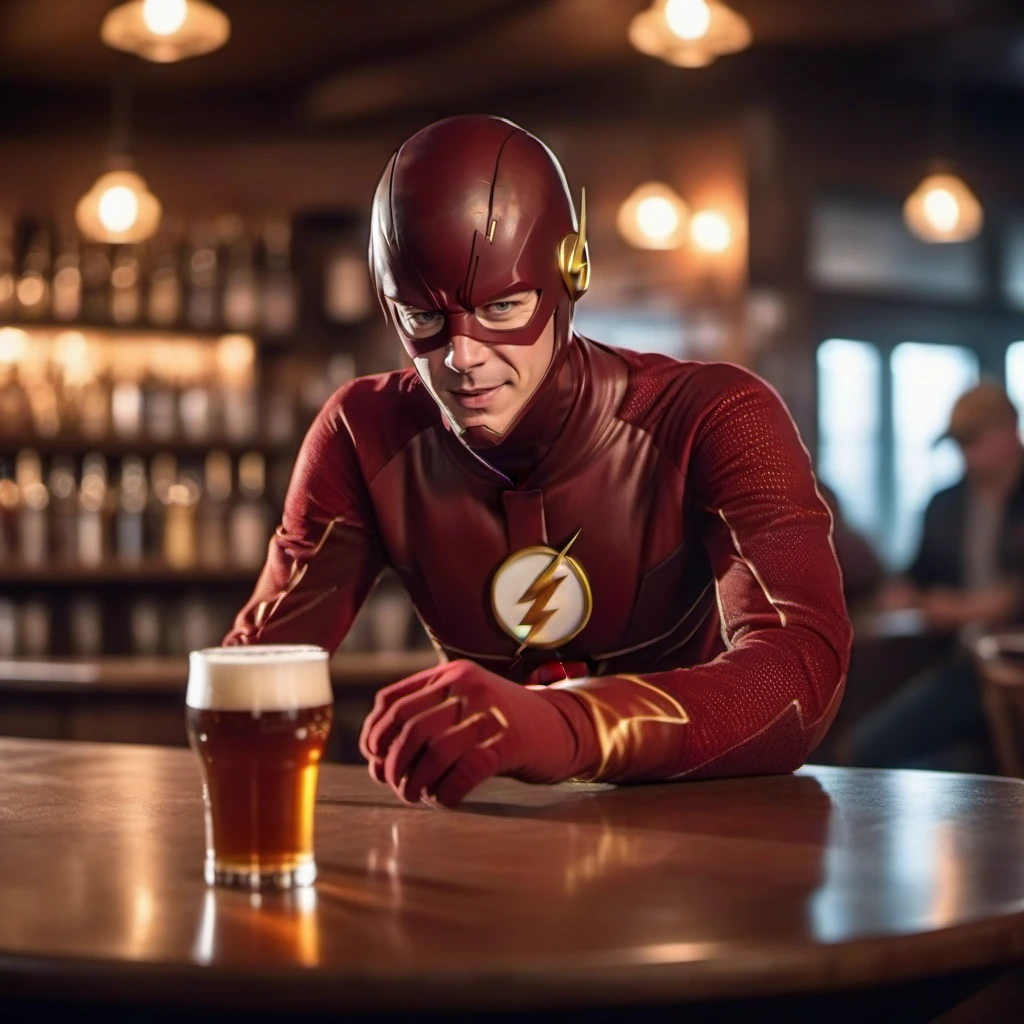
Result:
x=636 y=539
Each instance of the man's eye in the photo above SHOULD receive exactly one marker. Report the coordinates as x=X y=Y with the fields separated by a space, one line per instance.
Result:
x=502 y=306
x=422 y=319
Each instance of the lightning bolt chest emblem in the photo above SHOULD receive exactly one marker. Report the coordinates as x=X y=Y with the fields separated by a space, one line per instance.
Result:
x=541 y=597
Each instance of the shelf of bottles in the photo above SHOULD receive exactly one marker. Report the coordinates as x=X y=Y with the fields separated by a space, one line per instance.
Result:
x=151 y=404
x=142 y=462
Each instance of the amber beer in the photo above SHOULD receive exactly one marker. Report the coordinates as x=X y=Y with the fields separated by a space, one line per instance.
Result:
x=259 y=718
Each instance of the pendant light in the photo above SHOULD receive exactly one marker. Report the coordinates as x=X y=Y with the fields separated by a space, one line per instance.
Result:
x=654 y=216
x=689 y=33
x=119 y=208
x=165 y=31
x=943 y=209
x=710 y=231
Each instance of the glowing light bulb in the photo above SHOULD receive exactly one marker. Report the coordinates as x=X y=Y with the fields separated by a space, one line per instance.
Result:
x=711 y=231
x=942 y=209
x=119 y=208
x=689 y=33
x=688 y=19
x=657 y=218
x=653 y=216
x=165 y=30
x=164 y=17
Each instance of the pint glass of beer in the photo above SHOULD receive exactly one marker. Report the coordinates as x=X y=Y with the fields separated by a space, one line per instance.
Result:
x=259 y=718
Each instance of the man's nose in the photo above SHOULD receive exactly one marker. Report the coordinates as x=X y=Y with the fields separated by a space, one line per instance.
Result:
x=465 y=354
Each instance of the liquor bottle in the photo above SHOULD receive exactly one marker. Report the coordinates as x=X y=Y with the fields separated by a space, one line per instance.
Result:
x=63 y=509
x=15 y=408
x=92 y=504
x=33 y=527
x=280 y=310
x=196 y=407
x=94 y=408
x=132 y=498
x=241 y=301
x=348 y=298
x=249 y=528
x=7 y=282
x=10 y=501
x=160 y=401
x=279 y=410
x=34 y=285
x=125 y=286
x=85 y=622
x=126 y=409
x=145 y=627
x=67 y=282
x=237 y=397
x=202 y=306
x=37 y=378
x=8 y=628
x=163 y=304
x=35 y=620
x=96 y=269
x=212 y=511
x=180 y=521
x=198 y=622
x=163 y=475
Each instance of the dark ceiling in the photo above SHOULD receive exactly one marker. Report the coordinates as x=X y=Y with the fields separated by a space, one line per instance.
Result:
x=339 y=65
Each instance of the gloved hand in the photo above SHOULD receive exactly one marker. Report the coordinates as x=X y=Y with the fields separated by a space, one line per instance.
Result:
x=441 y=732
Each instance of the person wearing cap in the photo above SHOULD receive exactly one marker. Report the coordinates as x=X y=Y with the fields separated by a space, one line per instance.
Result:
x=968 y=575
x=622 y=559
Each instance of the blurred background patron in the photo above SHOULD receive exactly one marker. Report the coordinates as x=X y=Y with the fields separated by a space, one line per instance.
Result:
x=968 y=575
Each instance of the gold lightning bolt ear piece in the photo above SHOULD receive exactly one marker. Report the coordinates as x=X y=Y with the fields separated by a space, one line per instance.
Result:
x=574 y=256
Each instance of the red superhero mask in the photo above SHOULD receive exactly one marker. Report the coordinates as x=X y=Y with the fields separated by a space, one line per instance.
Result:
x=470 y=210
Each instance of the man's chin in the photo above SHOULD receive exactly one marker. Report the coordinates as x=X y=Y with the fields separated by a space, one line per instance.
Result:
x=480 y=421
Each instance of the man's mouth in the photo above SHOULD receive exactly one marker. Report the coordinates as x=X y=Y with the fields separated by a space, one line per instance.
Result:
x=475 y=398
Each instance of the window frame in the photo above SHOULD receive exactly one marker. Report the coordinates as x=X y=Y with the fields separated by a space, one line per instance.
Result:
x=888 y=322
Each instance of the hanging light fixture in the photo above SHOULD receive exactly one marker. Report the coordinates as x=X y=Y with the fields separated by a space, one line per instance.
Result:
x=689 y=33
x=654 y=216
x=119 y=207
x=943 y=209
x=165 y=31
x=711 y=231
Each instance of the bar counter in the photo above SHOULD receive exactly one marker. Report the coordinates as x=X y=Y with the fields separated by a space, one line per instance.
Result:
x=142 y=700
x=840 y=892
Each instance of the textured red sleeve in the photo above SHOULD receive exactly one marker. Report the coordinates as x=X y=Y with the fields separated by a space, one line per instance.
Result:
x=325 y=556
x=764 y=704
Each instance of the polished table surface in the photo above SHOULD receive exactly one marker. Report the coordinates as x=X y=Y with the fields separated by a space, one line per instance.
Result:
x=529 y=896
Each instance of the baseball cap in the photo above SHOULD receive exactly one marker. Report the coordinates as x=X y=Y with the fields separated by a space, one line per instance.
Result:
x=985 y=406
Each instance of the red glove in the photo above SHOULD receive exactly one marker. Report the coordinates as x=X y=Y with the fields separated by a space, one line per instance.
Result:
x=440 y=733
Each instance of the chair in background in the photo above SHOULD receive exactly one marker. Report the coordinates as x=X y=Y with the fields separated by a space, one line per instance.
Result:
x=999 y=658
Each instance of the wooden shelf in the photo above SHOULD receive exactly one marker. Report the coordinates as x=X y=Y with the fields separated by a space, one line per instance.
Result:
x=146 y=573
x=275 y=343
x=77 y=444
x=168 y=675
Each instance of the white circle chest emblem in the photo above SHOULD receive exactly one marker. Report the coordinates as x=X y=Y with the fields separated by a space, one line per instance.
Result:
x=541 y=597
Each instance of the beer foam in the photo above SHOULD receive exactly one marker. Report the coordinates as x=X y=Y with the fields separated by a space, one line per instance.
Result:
x=280 y=677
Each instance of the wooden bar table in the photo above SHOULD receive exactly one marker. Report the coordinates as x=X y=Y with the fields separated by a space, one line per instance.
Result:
x=831 y=892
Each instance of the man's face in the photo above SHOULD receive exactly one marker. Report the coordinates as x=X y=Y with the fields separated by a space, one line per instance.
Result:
x=482 y=385
x=989 y=454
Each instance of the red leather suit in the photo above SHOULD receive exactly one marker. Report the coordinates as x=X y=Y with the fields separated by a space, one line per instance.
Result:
x=718 y=641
